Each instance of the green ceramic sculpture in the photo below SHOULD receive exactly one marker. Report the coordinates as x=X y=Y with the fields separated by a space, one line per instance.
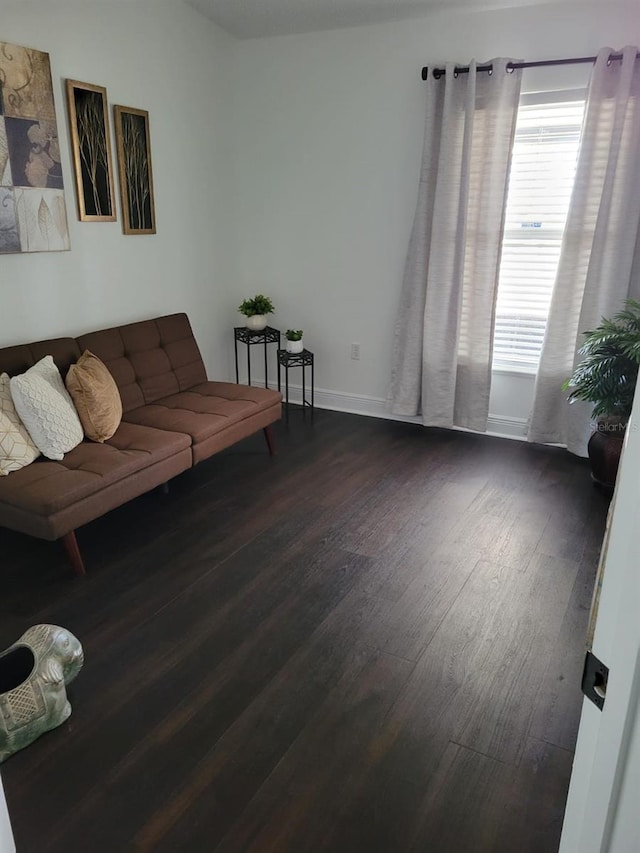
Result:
x=34 y=673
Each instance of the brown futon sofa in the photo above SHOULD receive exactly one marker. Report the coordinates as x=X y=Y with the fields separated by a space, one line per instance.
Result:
x=173 y=418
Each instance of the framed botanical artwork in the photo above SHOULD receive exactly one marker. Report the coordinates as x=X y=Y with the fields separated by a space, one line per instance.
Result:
x=133 y=145
x=33 y=213
x=89 y=120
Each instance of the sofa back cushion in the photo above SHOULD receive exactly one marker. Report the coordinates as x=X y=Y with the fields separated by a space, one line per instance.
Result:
x=18 y=359
x=149 y=360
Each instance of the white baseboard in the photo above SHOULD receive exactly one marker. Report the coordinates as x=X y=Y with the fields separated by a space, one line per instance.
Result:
x=508 y=427
x=375 y=407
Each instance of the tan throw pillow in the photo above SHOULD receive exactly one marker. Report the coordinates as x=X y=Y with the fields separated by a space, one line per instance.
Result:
x=96 y=397
x=16 y=447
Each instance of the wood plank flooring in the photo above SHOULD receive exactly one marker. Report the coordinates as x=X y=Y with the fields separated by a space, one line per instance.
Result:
x=371 y=642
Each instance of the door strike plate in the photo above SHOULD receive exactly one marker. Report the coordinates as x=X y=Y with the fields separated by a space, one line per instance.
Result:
x=594 y=680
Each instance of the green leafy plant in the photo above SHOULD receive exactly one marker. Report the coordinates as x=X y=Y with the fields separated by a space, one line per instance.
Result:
x=258 y=305
x=293 y=334
x=606 y=376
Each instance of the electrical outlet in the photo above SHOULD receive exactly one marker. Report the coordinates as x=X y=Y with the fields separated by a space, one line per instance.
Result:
x=355 y=351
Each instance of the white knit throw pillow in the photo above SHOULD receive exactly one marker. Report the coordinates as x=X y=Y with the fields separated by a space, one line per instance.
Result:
x=46 y=409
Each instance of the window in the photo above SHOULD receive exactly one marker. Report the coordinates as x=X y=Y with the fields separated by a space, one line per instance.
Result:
x=542 y=175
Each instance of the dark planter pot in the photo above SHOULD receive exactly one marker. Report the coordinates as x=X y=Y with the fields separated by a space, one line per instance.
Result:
x=605 y=447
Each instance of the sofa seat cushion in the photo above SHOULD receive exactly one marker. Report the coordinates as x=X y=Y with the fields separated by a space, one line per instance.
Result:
x=206 y=409
x=46 y=487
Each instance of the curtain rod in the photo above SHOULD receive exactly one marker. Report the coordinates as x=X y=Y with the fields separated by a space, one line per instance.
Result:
x=511 y=66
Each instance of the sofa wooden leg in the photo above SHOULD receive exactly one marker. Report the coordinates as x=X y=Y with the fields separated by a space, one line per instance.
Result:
x=165 y=488
x=271 y=439
x=73 y=552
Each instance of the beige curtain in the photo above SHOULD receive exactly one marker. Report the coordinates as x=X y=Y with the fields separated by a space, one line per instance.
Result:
x=600 y=260
x=443 y=338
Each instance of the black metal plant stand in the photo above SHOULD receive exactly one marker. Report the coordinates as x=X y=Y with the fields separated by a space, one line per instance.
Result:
x=288 y=360
x=265 y=336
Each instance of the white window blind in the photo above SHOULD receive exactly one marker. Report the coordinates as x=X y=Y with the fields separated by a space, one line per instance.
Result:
x=540 y=184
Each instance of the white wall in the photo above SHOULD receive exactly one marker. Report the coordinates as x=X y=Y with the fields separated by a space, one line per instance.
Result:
x=166 y=58
x=285 y=165
x=328 y=136
x=6 y=836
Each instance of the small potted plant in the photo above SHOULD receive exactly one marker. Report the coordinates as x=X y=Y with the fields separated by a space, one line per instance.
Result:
x=294 y=340
x=606 y=377
x=255 y=310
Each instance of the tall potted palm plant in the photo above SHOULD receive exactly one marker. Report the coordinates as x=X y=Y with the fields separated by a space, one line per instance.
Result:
x=606 y=376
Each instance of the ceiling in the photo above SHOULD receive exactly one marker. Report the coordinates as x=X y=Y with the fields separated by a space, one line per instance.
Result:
x=255 y=18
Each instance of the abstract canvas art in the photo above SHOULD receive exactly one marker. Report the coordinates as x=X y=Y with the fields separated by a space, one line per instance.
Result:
x=89 y=121
x=134 y=166
x=33 y=215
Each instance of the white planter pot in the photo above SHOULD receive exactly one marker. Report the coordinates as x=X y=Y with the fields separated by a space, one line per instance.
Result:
x=257 y=322
x=294 y=346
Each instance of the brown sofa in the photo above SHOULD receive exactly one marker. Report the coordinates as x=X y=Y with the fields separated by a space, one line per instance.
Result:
x=173 y=418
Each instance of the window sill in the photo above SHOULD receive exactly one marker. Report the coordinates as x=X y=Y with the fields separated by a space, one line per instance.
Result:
x=511 y=369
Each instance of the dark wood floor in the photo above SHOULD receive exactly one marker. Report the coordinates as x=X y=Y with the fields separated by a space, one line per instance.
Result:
x=372 y=642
